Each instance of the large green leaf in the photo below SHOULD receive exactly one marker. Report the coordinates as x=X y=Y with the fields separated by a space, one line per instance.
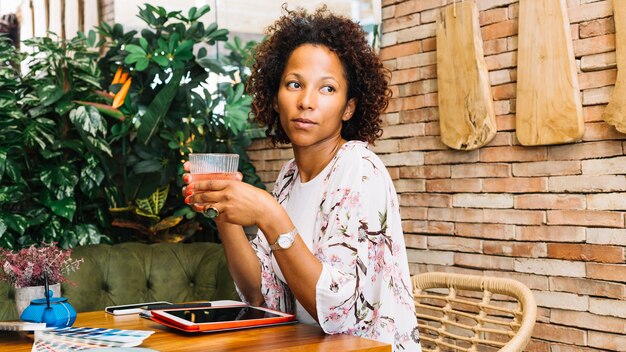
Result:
x=89 y=120
x=151 y=120
x=15 y=222
x=65 y=207
x=153 y=204
x=60 y=181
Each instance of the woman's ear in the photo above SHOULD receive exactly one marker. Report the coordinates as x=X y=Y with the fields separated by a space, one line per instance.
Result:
x=275 y=104
x=349 y=110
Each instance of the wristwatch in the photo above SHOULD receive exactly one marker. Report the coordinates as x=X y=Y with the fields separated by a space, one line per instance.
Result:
x=285 y=240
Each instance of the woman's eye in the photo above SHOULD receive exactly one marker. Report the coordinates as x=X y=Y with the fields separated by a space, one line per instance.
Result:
x=293 y=85
x=328 y=89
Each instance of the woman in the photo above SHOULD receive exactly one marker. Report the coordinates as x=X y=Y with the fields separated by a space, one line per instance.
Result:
x=330 y=246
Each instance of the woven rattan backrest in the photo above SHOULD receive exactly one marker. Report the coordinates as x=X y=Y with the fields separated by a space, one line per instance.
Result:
x=459 y=312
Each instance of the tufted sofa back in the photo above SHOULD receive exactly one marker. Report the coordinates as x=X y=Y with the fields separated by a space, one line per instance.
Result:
x=134 y=272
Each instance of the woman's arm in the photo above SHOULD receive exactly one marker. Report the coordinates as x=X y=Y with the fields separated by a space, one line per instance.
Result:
x=243 y=263
x=299 y=266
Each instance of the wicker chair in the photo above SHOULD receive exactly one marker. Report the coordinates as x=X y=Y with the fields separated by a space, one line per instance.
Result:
x=459 y=312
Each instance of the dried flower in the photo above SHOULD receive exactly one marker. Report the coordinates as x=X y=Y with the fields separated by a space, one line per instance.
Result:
x=26 y=267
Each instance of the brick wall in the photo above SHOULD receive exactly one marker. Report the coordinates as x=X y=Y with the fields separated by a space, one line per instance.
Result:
x=549 y=216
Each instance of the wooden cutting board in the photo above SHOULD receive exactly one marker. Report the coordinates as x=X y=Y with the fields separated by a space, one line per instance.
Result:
x=548 y=106
x=466 y=114
x=615 y=112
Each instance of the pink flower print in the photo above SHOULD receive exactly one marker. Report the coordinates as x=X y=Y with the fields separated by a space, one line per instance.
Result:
x=333 y=316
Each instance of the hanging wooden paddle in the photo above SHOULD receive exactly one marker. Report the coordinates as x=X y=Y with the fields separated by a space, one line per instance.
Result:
x=466 y=115
x=615 y=112
x=549 y=110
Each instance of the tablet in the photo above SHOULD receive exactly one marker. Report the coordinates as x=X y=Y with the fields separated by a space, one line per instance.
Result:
x=221 y=318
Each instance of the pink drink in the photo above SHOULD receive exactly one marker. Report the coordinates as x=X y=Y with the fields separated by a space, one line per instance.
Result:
x=215 y=176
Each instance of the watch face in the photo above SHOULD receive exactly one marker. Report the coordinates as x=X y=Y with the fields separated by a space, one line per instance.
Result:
x=284 y=241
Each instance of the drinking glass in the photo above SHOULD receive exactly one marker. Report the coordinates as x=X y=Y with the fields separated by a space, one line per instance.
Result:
x=214 y=166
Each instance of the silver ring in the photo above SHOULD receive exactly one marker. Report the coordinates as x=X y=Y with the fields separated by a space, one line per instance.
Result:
x=211 y=212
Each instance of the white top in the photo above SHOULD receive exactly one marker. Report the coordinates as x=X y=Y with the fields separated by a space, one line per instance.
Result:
x=349 y=218
x=302 y=207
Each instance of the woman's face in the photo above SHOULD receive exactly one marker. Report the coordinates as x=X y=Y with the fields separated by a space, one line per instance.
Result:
x=312 y=96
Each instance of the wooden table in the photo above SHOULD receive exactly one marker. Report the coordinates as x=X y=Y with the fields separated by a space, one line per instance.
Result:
x=297 y=337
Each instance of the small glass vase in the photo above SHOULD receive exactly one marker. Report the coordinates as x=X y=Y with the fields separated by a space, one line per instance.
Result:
x=23 y=295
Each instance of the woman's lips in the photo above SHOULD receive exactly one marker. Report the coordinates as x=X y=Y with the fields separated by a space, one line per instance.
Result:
x=302 y=123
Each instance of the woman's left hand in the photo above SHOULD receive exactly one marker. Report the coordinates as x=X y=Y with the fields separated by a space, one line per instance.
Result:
x=237 y=202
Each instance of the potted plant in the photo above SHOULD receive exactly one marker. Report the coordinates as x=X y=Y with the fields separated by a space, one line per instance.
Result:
x=48 y=143
x=25 y=270
x=169 y=111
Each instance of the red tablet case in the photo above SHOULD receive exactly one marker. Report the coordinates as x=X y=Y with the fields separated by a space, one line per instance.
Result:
x=158 y=317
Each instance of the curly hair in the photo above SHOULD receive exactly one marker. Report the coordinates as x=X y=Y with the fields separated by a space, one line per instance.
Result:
x=367 y=78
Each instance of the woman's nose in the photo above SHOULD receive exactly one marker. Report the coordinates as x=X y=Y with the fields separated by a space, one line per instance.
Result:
x=307 y=99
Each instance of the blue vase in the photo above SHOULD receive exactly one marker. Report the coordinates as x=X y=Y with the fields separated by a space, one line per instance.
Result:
x=58 y=313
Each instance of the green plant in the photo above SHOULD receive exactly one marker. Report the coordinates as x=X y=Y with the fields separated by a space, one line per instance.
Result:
x=53 y=152
x=171 y=111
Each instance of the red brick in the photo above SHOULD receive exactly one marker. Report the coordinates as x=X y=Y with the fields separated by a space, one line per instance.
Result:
x=495 y=46
x=506 y=123
x=588 y=287
x=590 y=12
x=429 y=44
x=483 y=261
x=508 y=216
x=547 y=168
x=396 y=23
x=611 y=342
x=440 y=227
x=403 y=76
x=414 y=226
x=610 y=272
x=427 y=72
x=421 y=143
x=594 y=45
x=504 y=91
x=589 y=150
x=450 y=156
x=515 y=249
x=596 y=79
x=550 y=233
x=414 y=213
x=557 y=333
x=515 y=185
x=419 y=115
x=513 y=154
x=593 y=113
x=586 y=252
x=457 y=244
x=491 y=231
x=499 y=14
x=415 y=241
x=550 y=201
x=500 y=61
x=585 y=218
x=455 y=214
x=453 y=186
x=499 y=29
x=425 y=200
x=399 y=50
x=480 y=170
x=428 y=171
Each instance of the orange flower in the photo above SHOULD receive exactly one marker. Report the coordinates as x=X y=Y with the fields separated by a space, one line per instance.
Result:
x=119 y=98
x=118 y=74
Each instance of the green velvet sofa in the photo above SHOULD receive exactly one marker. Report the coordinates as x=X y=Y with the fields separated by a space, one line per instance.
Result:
x=134 y=272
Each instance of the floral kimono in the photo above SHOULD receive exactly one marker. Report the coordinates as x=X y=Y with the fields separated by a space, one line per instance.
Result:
x=364 y=288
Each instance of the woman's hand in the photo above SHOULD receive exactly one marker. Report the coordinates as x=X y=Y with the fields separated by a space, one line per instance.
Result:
x=237 y=202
